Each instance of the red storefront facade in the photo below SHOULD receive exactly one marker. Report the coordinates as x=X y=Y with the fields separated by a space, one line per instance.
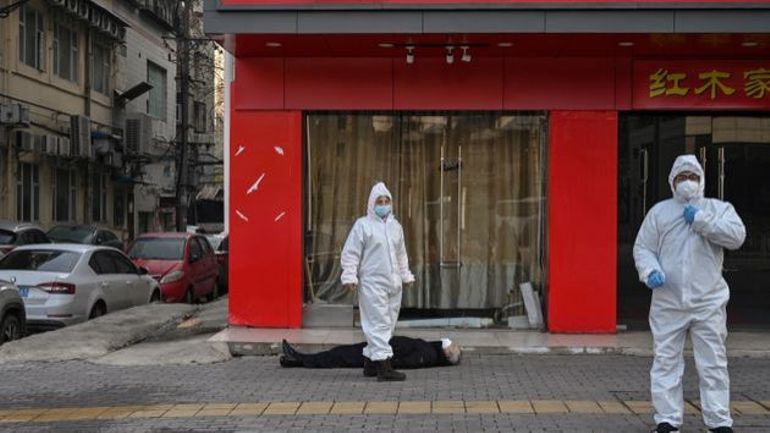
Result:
x=582 y=65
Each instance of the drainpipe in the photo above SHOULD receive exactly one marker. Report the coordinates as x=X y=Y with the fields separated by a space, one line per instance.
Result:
x=88 y=190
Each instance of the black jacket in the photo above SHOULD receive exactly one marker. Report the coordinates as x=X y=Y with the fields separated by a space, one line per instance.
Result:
x=408 y=353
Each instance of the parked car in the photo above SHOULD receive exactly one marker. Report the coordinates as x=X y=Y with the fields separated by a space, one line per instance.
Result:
x=223 y=259
x=12 y=316
x=13 y=234
x=84 y=234
x=183 y=263
x=63 y=284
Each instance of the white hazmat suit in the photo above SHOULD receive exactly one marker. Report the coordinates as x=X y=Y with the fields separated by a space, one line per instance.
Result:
x=374 y=258
x=693 y=297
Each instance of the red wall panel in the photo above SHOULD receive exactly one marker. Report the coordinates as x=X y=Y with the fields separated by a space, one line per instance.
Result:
x=582 y=221
x=259 y=84
x=431 y=83
x=266 y=219
x=559 y=83
x=339 y=83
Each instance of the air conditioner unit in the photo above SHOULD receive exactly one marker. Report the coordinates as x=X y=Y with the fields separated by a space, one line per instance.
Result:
x=14 y=114
x=25 y=141
x=138 y=133
x=80 y=136
x=51 y=145
x=64 y=146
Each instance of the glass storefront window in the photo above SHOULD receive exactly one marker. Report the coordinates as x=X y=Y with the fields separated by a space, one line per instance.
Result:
x=469 y=192
x=735 y=154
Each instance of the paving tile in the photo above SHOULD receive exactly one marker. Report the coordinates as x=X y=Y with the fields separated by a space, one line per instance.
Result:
x=381 y=407
x=613 y=407
x=315 y=408
x=281 y=408
x=173 y=413
x=213 y=412
x=249 y=409
x=481 y=407
x=639 y=407
x=549 y=406
x=414 y=407
x=448 y=406
x=749 y=408
x=515 y=406
x=583 y=406
x=347 y=408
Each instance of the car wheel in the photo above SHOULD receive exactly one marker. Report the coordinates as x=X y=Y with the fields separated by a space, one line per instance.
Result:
x=98 y=310
x=190 y=296
x=11 y=328
x=155 y=297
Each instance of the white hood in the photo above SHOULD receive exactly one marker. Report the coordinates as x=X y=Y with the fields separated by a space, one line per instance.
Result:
x=687 y=163
x=379 y=189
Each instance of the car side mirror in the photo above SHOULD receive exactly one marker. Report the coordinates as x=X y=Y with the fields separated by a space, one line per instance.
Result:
x=143 y=271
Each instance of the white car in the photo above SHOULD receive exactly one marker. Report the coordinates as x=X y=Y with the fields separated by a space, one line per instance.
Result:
x=63 y=284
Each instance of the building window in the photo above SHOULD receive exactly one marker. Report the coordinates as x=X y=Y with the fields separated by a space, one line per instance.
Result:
x=156 y=103
x=31 y=37
x=65 y=52
x=65 y=195
x=100 y=80
x=199 y=114
x=28 y=192
x=99 y=203
x=119 y=216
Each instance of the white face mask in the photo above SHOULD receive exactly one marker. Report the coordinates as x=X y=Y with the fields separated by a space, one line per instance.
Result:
x=687 y=189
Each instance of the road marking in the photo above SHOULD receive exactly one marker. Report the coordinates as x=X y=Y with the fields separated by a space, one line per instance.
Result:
x=330 y=408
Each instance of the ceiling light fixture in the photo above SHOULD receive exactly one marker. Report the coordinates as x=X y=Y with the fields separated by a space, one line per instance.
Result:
x=450 y=54
x=409 y=54
x=625 y=44
x=385 y=45
x=505 y=44
x=273 y=44
x=466 y=57
x=749 y=44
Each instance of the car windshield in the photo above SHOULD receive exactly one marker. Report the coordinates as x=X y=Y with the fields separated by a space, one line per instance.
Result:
x=40 y=260
x=7 y=237
x=157 y=249
x=70 y=234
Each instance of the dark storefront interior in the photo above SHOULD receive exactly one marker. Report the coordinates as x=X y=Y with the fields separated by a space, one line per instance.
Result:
x=736 y=151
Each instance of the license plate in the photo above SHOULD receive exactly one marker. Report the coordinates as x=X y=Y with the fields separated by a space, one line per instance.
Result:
x=23 y=292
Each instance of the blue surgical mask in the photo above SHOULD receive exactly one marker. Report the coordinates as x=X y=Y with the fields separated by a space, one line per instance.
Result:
x=382 y=210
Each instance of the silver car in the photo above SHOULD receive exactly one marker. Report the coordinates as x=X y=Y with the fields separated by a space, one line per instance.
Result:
x=12 y=317
x=63 y=284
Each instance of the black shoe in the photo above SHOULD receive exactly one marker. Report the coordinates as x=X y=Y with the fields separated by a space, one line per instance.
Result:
x=386 y=373
x=722 y=430
x=288 y=361
x=664 y=427
x=288 y=350
x=369 y=368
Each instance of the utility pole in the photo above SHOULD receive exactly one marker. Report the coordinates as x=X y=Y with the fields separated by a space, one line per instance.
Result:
x=182 y=45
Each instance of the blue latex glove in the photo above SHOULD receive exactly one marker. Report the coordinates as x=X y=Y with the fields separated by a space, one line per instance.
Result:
x=655 y=279
x=689 y=213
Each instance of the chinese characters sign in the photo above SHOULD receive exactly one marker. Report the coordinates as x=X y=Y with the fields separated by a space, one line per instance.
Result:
x=702 y=84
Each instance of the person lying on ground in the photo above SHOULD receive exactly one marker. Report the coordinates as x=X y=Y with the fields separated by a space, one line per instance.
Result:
x=408 y=353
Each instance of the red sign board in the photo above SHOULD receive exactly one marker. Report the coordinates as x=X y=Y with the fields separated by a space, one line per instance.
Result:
x=702 y=84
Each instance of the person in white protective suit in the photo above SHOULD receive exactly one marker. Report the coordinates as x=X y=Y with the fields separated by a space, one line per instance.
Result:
x=375 y=263
x=679 y=254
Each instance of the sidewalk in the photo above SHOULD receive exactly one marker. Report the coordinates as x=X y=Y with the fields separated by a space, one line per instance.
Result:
x=263 y=341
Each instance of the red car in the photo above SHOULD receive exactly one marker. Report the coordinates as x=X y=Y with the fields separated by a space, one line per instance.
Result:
x=183 y=263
